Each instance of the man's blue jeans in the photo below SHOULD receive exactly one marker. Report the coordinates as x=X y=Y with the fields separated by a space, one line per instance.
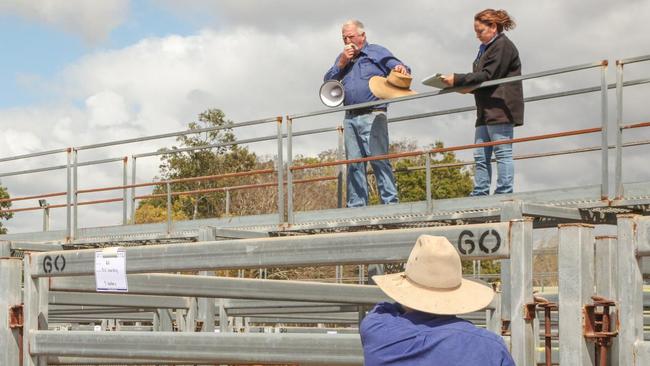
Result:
x=483 y=158
x=367 y=135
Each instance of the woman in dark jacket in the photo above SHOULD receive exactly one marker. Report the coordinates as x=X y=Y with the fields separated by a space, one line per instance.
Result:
x=498 y=108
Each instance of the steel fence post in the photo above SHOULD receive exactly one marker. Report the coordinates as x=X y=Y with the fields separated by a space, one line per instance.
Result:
x=604 y=190
x=427 y=157
x=205 y=311
x=75 y=195
x=280 y=172
x=133 y=171
x=289 y=172
x=340 y=153
x=521 y=271
x=125 y=199
x=575 y=288
x=606 y=269
x=35 y=310
x=619 y=130
x=630 y=290
x=511 y=210
x=10 y=297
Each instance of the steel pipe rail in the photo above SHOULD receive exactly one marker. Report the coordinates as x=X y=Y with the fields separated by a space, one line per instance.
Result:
x=236 y=188
x=451 y=90
x=451 y=148
x=474 y=242
x=60 y=167
x=117 y=300
x=633 y=60
x=176 y=134
x=304 y=349
x=233 y=288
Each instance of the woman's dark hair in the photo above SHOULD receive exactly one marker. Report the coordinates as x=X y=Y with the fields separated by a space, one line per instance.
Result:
x=499 y=17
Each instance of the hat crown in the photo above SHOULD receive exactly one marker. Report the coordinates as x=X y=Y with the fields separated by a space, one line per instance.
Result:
x=399 y=80
x=434 y=263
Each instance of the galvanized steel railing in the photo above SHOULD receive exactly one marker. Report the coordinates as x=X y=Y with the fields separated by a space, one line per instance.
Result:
x=72 y=192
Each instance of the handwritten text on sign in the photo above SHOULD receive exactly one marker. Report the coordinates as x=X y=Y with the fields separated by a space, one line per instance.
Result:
x=110 y=270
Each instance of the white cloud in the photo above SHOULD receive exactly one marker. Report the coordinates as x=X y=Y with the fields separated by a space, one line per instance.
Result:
x=106 y=109
x=93 y=20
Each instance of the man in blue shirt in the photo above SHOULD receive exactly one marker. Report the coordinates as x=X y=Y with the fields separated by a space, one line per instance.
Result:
x=421 y=328
x=366 y=129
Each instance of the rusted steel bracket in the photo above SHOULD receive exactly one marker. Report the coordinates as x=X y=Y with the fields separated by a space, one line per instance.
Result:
x=505 y=327
x=16 y=319
x=597 y=321
x=530 y=308
x=597 y=325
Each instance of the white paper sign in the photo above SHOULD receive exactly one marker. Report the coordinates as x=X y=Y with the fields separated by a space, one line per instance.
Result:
x=110 y=270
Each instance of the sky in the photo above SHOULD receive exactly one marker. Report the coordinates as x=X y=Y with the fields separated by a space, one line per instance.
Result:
x=77 y=72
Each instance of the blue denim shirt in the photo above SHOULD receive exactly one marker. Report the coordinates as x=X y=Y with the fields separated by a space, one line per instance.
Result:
x=372 y=60
x=391 y=337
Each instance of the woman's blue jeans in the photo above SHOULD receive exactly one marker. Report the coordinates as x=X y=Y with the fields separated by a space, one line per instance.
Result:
x=367 y=135
x=483 y=159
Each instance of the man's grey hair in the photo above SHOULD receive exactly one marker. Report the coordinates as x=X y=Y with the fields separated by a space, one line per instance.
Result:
x=357 y=24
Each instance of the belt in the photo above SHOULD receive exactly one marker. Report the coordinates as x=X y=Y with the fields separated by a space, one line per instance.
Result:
x=368 y=110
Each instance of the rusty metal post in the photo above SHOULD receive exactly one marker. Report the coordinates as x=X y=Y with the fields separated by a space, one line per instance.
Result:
x=521 y=271
x=11 y=323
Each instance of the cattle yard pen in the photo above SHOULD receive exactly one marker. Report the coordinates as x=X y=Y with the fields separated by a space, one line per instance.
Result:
x=176 y=311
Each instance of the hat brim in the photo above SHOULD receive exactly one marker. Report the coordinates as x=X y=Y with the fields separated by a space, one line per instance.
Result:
x=468 y=297
x=380 y=87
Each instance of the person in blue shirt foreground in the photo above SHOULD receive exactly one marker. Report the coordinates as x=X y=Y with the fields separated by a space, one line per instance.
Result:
x=366 y=129
x=422 y=327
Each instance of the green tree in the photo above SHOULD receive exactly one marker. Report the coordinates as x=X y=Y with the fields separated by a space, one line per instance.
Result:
x=225 y=157
x=4 y=205
x=410 y=175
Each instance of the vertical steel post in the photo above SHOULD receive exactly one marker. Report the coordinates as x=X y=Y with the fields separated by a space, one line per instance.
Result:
x=428 y=181
x=46 y=217
x=5 y=248
x=35 y=310
x=509 y=211
x=340 y=153
x=521 y=271
x=169 y=208
x=630 y=290
x=575 y=288
x=289 y=172
x=75 y=195
x=227 y=202
x=10 y=295
x=619 y=131
x=280 y=172
x=68 y=211
x=133 y=171
x=223 y=317
x=125 y=181
x=205 y=311
x=493 y=316
x=606 y=268
x=165 y=323
x=604 y=187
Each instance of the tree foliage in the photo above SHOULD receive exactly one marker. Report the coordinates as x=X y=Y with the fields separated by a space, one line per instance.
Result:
x=4 y=194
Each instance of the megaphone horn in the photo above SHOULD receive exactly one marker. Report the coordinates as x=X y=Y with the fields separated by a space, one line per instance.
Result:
x=332 y=93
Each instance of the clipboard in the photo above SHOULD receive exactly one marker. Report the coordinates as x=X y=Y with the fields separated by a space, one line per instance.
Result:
x=435 y=81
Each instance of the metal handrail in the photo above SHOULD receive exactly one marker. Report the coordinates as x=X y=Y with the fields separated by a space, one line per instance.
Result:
x=454 y=89
x=451 y=148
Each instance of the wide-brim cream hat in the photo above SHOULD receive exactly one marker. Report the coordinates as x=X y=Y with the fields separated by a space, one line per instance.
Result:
x=394 y=85
x=432 y=281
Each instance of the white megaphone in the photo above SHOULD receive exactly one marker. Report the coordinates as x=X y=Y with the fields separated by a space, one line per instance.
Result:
x=332 y=93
